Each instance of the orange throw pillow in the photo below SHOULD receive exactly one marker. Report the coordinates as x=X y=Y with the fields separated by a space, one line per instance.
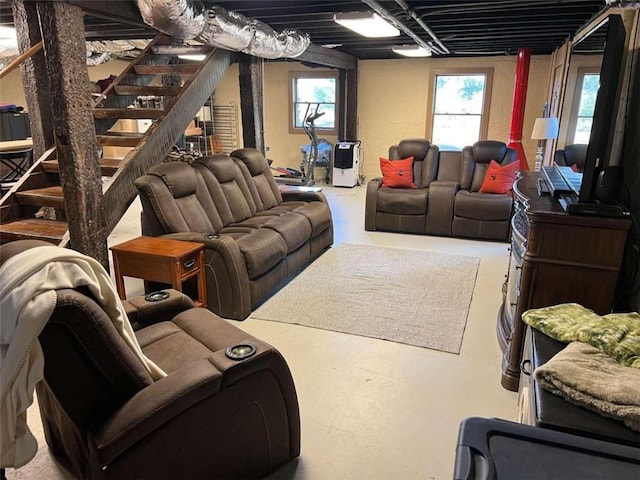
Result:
x=499 y=179
x=397 y=173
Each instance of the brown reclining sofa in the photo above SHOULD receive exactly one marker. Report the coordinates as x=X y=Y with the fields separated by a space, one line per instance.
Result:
x=447 y=201
x=255 y=236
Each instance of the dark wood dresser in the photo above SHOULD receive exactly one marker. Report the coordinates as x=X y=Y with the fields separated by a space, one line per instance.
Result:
x=555 y=258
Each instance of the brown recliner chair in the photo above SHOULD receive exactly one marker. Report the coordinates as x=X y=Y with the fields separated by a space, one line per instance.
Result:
x=482 y=215
x=212 y=416
x=575 y=154
x=403 y=209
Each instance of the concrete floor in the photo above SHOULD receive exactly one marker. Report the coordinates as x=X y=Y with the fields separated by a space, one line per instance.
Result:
x=370 y=408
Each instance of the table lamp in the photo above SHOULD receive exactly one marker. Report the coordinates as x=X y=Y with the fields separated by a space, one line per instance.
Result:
x=545 y=128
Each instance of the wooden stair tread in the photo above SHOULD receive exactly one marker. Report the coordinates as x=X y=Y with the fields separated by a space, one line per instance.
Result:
x=137 y=135
x=168 y=69
x=181 y=49
x=158 y=90
x=119 y=140
x=128 y=113
x=42 y=197
x=34 y=229
x=108 y=166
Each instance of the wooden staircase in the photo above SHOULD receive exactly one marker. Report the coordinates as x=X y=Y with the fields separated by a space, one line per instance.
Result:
x=35 y=207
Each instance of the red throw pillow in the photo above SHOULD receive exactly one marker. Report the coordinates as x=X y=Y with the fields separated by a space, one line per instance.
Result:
x=499 y=179
x=397 y=173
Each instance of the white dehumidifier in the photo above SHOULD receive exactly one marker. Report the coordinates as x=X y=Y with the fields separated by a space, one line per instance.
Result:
x=346 y=164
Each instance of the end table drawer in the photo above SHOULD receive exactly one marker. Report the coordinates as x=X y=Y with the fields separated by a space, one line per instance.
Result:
x=188 y=264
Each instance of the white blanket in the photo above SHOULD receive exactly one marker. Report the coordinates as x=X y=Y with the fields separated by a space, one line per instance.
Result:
x=27 y=298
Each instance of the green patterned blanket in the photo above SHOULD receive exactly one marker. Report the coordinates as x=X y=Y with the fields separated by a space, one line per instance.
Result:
x=616 y=334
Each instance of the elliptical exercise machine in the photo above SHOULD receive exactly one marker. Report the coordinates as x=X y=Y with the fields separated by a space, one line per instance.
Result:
x=305 y=176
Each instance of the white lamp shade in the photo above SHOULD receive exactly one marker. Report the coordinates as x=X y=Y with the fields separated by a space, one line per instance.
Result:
x=545 y=129
x=412 y=51
x=367 y=24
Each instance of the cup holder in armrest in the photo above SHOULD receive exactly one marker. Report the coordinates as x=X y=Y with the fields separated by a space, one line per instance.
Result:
x=240 y=351
x=156 y=296
x=210 y=236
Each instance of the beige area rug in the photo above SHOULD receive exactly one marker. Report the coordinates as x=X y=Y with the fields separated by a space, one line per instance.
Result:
x=406 y=296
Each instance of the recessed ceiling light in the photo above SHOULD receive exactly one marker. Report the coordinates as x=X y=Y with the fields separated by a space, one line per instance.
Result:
x=412 y=51
x=197 y=57
x=367 y=24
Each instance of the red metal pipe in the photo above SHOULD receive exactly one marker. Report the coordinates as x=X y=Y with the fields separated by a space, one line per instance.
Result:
x=519 y=100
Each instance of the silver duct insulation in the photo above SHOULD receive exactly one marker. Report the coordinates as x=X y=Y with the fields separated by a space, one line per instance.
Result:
x=116 y=46
x=8 y=49
x=217 y=27
x=98 y=52
x=101 y=51
x=624 y=3
x=234 y=31
x=179 y=18
x=95 y=58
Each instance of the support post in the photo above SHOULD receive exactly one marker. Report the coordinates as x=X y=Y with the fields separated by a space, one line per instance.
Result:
x=351 y=116
x=34 y=76
x=74 y=130
x=251 y=71
x=519 y=101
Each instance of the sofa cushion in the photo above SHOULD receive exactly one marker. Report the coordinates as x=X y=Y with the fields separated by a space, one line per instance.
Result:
x=294 y=228
x=177 y=197
x=262 y=249
x=499 y=179
x=397 y=173
x=318 y=215
x=229 y=180
x=425 y=158
x=403 y=201
x=482 y=206
x=261 y=183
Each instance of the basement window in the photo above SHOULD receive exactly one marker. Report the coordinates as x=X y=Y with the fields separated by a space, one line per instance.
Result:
x=459 y=107
x=310 y=91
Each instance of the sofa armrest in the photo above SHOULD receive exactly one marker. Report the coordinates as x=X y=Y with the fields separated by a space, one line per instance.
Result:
x=143 y=310
x=440 y=209
x=300 y=195
x=226 y=273
x=371 y=202
x=154 y=406
x=168 y=397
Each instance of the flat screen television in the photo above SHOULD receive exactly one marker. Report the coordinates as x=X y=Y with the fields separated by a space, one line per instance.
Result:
x=603 y=126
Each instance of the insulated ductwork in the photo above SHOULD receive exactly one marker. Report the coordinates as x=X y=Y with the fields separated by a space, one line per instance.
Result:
x=178 y=18
x=98 y=52
x=624 y=3
x=101 y=51
x=220 y=28
x=8 y=51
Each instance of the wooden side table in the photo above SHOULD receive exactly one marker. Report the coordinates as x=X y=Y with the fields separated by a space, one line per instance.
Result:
x=160 y=260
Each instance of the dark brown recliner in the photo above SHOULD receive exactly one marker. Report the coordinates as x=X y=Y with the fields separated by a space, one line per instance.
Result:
x=403 y=209
x=482 y=215
x=210 y=417
x=575 y=154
